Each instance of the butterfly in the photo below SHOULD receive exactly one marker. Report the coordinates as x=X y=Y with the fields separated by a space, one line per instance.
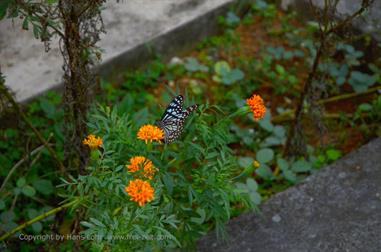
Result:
x=172 y=121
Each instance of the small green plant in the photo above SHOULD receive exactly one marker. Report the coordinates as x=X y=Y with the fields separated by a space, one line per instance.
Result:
x=192 y=65
x=225 y=75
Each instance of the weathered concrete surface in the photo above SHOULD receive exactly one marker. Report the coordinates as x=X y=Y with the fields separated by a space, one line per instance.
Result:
x=370 y=22
x=129 y=24
x=336 y=209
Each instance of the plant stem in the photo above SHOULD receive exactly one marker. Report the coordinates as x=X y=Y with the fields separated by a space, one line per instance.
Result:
x=19 y=163
x=287 y=116
x=348 y=96
x=16 y=106
x=132 y=217
x=36 y=219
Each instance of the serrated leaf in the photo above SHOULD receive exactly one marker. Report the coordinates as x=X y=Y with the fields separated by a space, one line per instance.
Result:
x=97 y=222
x=168 y=182
x=87 y=224
x=200 y=219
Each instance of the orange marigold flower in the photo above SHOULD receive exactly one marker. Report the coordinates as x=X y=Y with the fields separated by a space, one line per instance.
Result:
x=257 y=105
x=140 y=163
x=140 y=191
x=92 y=141
x=150 y=133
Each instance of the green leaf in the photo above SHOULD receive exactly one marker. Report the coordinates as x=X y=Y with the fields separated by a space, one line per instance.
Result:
x=264 y=172
x=37 y=227
x=279 y=131
x=361 y=81
x=265 y=155
x=201 y=219
x=2 y=204
x=97 y=222
x=3 y=8
x=283 y=164
x=255 y=197
x=25 y=24
x=252 y=184
x=289 y=175
x=32 y=213
x=192 y=65
x=237 y=75
x=333 y=154
x=280 y=69
x=168 y=182
x=245 y=161
x=301 y=166
x=265 y=123
x=87 y=224
x=7 y=216
x=365 y=107
x=222 y=68
x=21 y=182
x=232 y=19
x=28 y=191
x=43 y=186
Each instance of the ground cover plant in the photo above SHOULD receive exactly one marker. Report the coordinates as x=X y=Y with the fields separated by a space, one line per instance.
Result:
x=135 y=192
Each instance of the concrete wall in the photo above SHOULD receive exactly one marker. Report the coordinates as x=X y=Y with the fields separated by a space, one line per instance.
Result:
x=166 y=25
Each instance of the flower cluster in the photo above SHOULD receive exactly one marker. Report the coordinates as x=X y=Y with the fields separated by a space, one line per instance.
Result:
x=257 y=106
x=92 y=141
x=142 y=164
x=140 y=191
x=149 y=133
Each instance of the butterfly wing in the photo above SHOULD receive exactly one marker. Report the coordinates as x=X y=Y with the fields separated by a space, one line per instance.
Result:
x=172 y=121
x=174 y=109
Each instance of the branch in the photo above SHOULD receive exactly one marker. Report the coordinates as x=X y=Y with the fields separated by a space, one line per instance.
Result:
x=288 y=115
x=38 y=218
x=15 y=105
x=20 y=162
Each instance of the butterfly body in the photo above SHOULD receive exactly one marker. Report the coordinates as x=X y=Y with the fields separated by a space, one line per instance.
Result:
x=173 y=119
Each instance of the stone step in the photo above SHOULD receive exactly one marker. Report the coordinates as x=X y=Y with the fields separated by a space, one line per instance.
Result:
x=134 y=28
x=336 y=209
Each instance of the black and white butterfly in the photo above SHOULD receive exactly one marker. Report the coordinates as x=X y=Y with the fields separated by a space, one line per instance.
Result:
x=172 y=121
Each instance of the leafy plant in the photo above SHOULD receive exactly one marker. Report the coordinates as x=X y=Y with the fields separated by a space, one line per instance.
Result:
x=192 y=185
x=192 y=65
x=224 y=74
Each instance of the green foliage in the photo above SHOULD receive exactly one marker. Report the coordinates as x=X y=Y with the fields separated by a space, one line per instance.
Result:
x=360 y=82
x=225 y=75
x=220 y=167
x=192 y=65
x=193 y=187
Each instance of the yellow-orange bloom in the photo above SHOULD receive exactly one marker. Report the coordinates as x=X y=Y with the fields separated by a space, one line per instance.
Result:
x=140 y=163
x=150 y=133
x=140 y=191
x=92 y=141
x=257 y=105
